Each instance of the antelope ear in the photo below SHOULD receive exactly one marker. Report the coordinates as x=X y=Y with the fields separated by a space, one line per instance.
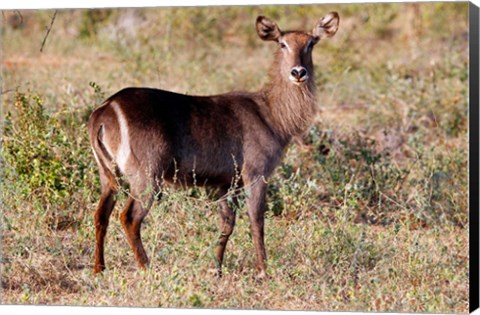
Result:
x=328 y=25
x=267 y=29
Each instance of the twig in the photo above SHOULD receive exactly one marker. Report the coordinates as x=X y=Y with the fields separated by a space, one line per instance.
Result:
x=48 y=30
x=20 y=15
x=6 y=91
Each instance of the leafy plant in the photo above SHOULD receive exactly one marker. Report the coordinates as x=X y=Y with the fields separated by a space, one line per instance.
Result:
x=47 y=164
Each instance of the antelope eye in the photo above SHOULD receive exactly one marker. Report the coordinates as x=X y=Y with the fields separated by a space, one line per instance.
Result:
x=282 y=45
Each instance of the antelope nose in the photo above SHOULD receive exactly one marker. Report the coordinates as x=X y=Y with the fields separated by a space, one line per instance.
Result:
x=299 y=73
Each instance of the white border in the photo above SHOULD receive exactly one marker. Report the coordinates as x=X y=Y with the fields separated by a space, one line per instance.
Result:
x=49 y=4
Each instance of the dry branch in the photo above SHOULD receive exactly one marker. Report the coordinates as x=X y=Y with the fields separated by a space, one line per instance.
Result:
x=48 y=30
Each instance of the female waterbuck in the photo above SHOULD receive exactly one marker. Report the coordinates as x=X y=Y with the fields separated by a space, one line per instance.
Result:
x=146 y=137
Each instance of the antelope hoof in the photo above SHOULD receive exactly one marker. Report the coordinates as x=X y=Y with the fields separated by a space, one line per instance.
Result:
x=98 y=269
x=216 y=272
x=261 y=276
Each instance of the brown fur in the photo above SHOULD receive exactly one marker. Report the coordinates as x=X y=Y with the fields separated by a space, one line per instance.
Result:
x=148 y=137
x=291 y=107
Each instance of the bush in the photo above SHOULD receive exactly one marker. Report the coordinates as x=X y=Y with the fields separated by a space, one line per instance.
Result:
x=47 y=159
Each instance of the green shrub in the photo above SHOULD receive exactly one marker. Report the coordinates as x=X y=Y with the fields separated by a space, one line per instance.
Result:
x=46 y=159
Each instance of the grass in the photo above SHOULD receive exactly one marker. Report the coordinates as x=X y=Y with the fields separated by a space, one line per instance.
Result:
x=367 y=212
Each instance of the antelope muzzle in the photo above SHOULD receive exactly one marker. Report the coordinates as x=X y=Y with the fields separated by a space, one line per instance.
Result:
x=298 y=75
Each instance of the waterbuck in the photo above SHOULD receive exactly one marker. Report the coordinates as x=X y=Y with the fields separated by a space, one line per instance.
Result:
x=147 y=137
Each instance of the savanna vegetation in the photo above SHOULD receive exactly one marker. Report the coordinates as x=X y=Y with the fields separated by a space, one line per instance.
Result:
x=367 y=212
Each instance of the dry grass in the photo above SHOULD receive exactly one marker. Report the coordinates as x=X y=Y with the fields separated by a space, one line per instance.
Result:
x=367 y=213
